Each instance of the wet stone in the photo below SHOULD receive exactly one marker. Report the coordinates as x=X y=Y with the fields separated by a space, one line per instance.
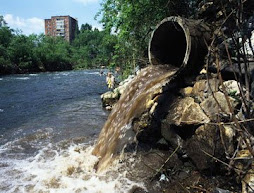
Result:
x=206 y=144
x=211 y=107
x=186 y=111
x=204 y=88
x=109 y=98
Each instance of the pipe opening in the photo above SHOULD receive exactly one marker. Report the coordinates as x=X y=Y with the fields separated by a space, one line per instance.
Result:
x=168 y=44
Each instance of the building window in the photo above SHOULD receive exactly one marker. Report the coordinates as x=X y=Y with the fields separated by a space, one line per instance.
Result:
x=61 y=26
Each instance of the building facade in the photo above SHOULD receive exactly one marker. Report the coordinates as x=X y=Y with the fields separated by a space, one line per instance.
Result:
x=62 y=26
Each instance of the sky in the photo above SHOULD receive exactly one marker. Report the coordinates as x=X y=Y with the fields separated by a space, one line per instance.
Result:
x=28 y=15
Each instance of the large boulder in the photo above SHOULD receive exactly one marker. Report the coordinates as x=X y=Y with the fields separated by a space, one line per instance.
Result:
x=186 y=111
x=204 y=146
x=182 y=115
x=217 y=104
x=209 y=142
x=203 y=88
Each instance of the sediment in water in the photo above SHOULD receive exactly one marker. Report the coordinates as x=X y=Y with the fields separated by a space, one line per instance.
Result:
x=177 y=41
x=140 y=95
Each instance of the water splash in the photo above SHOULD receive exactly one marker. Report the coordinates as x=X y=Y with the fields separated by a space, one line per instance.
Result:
x=22 y=78
x=56 y=169
x=33 y=75
x=139 y=96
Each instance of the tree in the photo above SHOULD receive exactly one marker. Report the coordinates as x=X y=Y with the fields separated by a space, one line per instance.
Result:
x=93 y=48
x=54 y=54
x=2 y=22
x=85 y=27
x=6 y=36
x=132 y=22
x=21 y=52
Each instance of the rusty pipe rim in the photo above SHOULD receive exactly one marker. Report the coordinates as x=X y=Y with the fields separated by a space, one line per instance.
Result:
x=181 y=22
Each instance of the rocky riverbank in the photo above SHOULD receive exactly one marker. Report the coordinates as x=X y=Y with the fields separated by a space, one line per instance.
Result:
x=189 y=139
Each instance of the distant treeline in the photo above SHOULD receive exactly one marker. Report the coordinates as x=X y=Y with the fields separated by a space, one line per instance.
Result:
x=37 y=53
x=124 y=41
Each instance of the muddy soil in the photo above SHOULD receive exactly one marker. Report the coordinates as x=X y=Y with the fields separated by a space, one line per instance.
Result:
x=163 y=171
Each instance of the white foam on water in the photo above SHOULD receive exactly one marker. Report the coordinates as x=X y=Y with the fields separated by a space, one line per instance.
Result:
x=33 y=74
x=93 y=73
x=1 y=110
x=22 y=78
x=1 y=78
x=65 y=73
x=58 y=171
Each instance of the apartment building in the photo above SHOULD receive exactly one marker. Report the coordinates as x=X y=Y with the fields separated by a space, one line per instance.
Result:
x=62 y=26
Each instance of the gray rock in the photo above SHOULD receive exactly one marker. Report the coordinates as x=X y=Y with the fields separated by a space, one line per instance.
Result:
x=231 y=87
x=123 y=85
x=162 y=142
x=203 y=88
x=186 y=112
x=211 y=107
x=227 y=135
x=244 y=161
x=170 y=135
x=210 y=140
x=111 y=97
x=202 y=141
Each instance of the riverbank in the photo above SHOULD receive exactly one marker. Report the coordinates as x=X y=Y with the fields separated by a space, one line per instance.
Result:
x=189 y=149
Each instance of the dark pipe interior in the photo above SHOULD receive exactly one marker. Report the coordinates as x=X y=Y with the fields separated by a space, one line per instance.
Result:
x=168 y=45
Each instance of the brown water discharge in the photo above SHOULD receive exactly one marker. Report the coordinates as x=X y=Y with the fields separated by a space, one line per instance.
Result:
x=177 y=41
x=117 y=131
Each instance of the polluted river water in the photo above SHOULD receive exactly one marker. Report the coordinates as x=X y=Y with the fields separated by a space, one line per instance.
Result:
x=49 y=123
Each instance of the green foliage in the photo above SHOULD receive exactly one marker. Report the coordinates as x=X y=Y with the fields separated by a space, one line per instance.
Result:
x=93 y=48
x=5 y=36
x=132 y=22
x=123 y=42
x=2 y=21
x=85 y=27
x=22 y=54
x=35 y=53
x=54 y=54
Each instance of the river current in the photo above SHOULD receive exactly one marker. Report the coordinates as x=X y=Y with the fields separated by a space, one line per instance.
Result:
x=49 y=123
